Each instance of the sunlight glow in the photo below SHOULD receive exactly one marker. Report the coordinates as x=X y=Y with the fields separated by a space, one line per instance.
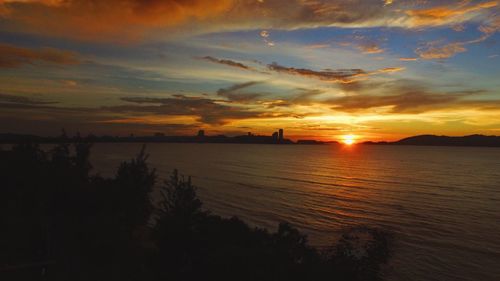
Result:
x=348 y=139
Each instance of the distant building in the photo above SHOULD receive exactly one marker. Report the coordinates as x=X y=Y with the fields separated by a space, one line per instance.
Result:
x=275 y=136
x=250 y=134
x=280 y=135
x=201 y=133
x=159 y=134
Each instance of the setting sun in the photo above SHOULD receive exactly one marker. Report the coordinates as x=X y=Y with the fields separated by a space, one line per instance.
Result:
x=348 y=139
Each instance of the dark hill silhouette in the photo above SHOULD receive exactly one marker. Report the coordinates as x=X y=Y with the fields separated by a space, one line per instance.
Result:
x=472 y=140
x=433 y=140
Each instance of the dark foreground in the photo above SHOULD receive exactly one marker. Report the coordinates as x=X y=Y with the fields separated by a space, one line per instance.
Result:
x=59 y=222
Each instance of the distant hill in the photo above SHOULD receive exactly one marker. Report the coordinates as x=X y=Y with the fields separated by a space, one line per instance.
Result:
x=8 y=138
x=472 y=140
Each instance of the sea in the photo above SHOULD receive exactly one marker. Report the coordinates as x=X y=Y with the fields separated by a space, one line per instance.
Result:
x=442 y=204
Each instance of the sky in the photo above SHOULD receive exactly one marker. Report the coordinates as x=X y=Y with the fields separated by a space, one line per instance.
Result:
x=376 y=69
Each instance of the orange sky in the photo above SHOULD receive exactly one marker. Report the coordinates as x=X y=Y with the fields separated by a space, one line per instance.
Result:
x=380 y=70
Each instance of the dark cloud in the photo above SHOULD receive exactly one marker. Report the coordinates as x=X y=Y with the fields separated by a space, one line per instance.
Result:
x=13 y=56
x=226 y=62
x=5 y=98
x=208 y=111
x=336 y=76
x=340 y=75
x=42 y=121
x=233 y=93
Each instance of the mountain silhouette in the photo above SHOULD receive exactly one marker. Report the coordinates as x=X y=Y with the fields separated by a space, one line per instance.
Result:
x=433 y=140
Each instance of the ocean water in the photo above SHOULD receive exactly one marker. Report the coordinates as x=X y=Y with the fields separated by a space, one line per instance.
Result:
x=441 y=203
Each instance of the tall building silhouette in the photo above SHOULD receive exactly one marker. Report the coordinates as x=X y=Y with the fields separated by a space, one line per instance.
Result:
x=275 y=137
x=280 y=135
x=201 y=133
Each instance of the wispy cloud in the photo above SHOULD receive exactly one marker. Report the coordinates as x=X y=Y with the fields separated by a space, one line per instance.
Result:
x=13 y=56
x=364 y=44
x=405 y=100
x=438 y=50
x=206 y=110
x=226 y=62
x=434 y=51
x=408 y=59
x=336 y=76
x=341 y=75
x=128 y=20
x=234 y=93
x=451 y=14
x=16 y=99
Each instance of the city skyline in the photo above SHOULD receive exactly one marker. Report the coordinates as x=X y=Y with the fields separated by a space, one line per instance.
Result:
x=326 y=70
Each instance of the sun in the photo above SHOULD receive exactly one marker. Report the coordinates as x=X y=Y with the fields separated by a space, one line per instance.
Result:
x=348 y=139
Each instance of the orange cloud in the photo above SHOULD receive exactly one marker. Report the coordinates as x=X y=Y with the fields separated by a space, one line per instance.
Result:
x=104 y=20
x=125 y=20
x=128 y=20
x=432 y=51
x=12 y=56
x=442 y=15
x=389 y=70
x=408 y=59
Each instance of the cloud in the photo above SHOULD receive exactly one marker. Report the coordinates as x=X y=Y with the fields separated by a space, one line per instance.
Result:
x=13 y=56
x=265 y=37
x=408 y=59
x=48 y=120
x=129 y=20
x=336 y=76
x=233 y=93
x=141 y=112
x=433 y=51
x=364 y=44
x=458 y=27
x=370 y=48
x=341 y=75
x=388 y=70
x=301 y=97
x=226 y=62
x=437 y=50
x=264 y=34
x=206 y=110
x=491 y=25
x=13 y=99
x=305 y=96
x=317 y=46
x=448 y=14
x=110 y=20
x=405 y=101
